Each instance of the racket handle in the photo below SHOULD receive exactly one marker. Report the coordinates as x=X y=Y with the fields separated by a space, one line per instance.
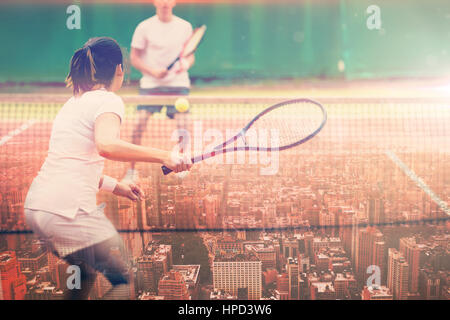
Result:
x=173 y=63
x=166 y=170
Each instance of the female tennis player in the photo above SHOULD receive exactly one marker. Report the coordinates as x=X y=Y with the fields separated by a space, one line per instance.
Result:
x=61 y=203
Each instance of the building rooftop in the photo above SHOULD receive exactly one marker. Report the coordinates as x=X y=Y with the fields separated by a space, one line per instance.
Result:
x=327 y=240
x=148 y=296
x=156 y=252
x=221 y=295
x=236 y=257
x=379 y=291
x=189 y=272
x=324 y=286
x=5 y=257
x=260 y=248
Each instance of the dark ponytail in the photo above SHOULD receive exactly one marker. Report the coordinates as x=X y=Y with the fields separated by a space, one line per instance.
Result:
x=93 y=64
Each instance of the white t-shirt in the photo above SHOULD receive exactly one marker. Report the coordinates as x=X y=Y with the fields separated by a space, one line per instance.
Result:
x=162 y=43
x=69 y=178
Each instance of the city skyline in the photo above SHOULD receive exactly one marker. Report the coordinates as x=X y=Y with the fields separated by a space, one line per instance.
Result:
x=318 y=229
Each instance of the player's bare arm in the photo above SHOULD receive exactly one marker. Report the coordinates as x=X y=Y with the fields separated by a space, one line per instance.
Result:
x=107 y=126
x=138 y=63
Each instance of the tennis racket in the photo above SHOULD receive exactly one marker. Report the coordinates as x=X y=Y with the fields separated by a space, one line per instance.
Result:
x=295 y=121
x=191 y=45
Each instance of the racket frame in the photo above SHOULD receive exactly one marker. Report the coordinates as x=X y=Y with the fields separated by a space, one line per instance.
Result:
x=182 y=55
x=220 y=149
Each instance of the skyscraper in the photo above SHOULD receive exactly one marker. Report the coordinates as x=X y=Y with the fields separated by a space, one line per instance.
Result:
x=235 y=273
x=13 y=282
x=211 y=205
x=282 y=287
x=370 y=248
x=151 y=266
x=398 y=275
x=429 y=284
x=292 y=271
x=345 y=220
x=184 y=213
x=376 y=210
x=411 y=251
x=173 y=287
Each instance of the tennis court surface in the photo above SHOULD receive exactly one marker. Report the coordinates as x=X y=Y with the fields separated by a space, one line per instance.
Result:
x=377 y=175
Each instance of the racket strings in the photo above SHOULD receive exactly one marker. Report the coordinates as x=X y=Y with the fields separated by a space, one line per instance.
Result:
x=194 y=41
x=288 y=124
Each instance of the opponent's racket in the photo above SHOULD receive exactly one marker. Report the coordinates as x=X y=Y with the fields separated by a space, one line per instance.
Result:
x=295 y=122
x=191 y=45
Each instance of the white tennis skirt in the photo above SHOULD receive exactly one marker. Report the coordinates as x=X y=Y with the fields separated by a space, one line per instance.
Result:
x=66 y=235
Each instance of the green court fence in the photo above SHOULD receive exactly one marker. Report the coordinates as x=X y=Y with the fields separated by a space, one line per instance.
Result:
x=304 y=39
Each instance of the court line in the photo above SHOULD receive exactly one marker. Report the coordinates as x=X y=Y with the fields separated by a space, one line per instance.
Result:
x=419 y=182
x=16 y=132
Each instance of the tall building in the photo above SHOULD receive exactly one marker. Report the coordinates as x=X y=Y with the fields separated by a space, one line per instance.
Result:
x=127 y=216
x=398 y=275
x=304 y=291
x=234 y=273
x=283 y=286
x=230 y=245
x=292 y=271
x=327 y=221
x=376 y=210
x=308 y=241
x=13 y=282
x=430 y=284
x=211 y=207
x=303 y=263
x=152 y=265
x=266 y=254
x=355 y=233
x=190 y=273
x=411 y=251
x=290 y=247
x=33 y=260
x=322 y=262
x=345 y=221
x=370 y=248
x=184 y=213
x=344 y=284
x=173 y=287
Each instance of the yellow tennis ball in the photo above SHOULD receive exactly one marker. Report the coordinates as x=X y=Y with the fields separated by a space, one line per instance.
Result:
x=182 y=105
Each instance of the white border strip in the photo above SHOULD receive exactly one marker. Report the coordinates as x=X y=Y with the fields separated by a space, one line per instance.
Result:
x=16 y=132
x=420 y=183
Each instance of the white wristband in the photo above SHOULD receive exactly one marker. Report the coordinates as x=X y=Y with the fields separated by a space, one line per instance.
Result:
x=108 y=184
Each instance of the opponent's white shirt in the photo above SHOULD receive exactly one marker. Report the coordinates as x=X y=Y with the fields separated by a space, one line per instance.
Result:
x=69 y=178
x=162 y=43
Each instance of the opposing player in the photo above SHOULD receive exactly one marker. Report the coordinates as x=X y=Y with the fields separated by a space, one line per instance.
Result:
x=156 y=42
x=61 y=202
